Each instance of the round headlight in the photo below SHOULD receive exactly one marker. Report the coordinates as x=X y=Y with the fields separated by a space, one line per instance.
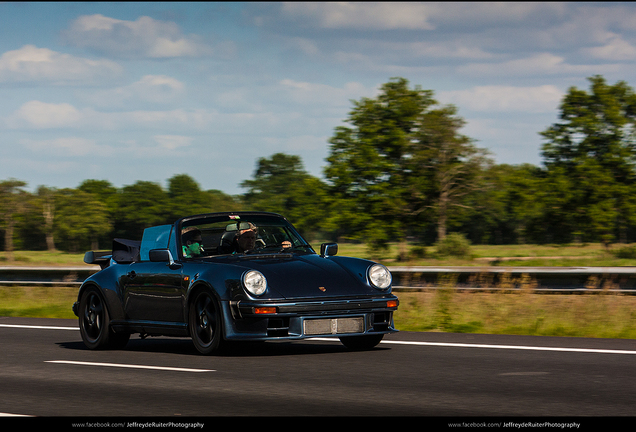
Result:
x=380 y=276
x=255 y=282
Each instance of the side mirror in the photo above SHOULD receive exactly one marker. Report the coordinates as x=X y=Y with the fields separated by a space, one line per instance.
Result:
x=162 y=255
x=328 y=249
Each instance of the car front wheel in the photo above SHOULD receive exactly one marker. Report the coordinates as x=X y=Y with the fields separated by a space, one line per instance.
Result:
x=205 y=323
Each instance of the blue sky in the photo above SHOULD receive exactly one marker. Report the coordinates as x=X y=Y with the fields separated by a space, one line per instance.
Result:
x=143 y=91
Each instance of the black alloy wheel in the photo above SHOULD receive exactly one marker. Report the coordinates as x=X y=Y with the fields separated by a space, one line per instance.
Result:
x=205 y=323
x=94 y=323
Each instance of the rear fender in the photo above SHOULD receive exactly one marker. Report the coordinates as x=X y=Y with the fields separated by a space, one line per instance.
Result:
x=106 y=281
x=111 y=300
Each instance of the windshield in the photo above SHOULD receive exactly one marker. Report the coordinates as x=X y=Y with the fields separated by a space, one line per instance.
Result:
x=239 y=235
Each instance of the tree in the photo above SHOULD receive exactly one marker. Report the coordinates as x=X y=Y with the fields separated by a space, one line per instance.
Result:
x=594 y=148
x=450 y=160
x=107 y=194
x=280 y=184
x=46 y=199
x=508 y=210
x=141 y=205
x=402 y=156
x=369 y=164
x=186 y=197
x=12 y=198
x=272 y=180
x=222 y=202
x=80 y=219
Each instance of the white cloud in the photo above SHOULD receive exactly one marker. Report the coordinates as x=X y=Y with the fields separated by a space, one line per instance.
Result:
x=144 y=37
x=33 y=64
x=369 y=16
x=498 y=98
x=42 y=115
x=156 y=89
x=67 y=147
x=535 y=65
x=617 y=49
x=307 y=93
x=448 y=49
x=427 y=16
x=173 y=142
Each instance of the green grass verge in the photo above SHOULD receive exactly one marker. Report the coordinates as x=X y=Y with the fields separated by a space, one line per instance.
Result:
x=37 y=302
x=448 y=310
x=42 y=259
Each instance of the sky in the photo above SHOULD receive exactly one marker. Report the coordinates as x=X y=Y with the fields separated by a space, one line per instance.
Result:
x=129 y=92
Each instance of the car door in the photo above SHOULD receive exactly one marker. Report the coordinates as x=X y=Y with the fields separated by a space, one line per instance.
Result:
x=153 y=292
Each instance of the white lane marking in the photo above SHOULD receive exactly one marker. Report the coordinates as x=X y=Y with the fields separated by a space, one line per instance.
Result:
x=517 y=347
x=14 y=415
x=444 y=344
x=164 y=368
x=38 y=327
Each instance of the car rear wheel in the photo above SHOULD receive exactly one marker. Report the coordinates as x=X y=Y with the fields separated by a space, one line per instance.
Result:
x=361 y=342
x=94 y=323
x=205 y=323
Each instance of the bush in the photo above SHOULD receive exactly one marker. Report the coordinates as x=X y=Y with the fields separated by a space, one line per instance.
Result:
x=417 y=252
x=627 y=252
x=453 y=244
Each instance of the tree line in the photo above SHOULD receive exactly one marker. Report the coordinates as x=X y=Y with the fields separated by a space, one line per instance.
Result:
x=399 y=171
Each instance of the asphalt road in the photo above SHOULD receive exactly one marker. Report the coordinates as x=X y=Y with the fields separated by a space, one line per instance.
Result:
x=45 y=370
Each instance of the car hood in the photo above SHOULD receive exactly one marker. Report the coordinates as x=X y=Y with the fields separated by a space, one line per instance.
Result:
x=303 y=276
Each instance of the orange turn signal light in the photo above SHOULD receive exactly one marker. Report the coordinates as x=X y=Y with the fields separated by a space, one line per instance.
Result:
x=264 y=310
x=392 y=303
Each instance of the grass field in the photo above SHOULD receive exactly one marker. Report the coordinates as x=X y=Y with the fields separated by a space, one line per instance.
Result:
x=600 y=315
x=37 y=302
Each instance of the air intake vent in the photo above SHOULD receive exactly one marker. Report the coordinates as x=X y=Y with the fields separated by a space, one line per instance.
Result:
x=278 y=327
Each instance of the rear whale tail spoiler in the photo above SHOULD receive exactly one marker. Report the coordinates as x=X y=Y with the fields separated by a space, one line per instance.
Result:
x=124 y=252
x=102 y=258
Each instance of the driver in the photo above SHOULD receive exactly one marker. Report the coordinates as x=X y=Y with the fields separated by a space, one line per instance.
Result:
x=191 y=241
x=246 y=237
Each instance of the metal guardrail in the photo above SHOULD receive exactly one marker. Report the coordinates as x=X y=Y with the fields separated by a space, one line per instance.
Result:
x=51 y=276
x=537 y=279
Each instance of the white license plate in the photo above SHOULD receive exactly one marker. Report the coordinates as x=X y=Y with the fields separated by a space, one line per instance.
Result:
x=325 y=326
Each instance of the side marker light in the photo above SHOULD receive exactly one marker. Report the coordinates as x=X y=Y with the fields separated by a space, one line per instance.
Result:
x=265 y=310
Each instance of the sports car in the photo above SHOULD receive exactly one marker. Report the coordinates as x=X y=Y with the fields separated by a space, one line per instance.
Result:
x=243 y=276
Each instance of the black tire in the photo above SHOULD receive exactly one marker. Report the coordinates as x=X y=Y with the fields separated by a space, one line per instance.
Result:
x=204 y=322
x=94 y=323
x=360 y=343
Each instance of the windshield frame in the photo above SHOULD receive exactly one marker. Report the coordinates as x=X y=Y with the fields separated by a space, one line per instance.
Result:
x=270 y=227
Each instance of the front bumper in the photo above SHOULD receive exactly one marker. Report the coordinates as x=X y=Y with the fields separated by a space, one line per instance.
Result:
x=256 y=320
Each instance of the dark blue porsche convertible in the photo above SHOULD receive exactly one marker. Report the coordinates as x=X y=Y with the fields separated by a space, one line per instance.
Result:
x=228 y=277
